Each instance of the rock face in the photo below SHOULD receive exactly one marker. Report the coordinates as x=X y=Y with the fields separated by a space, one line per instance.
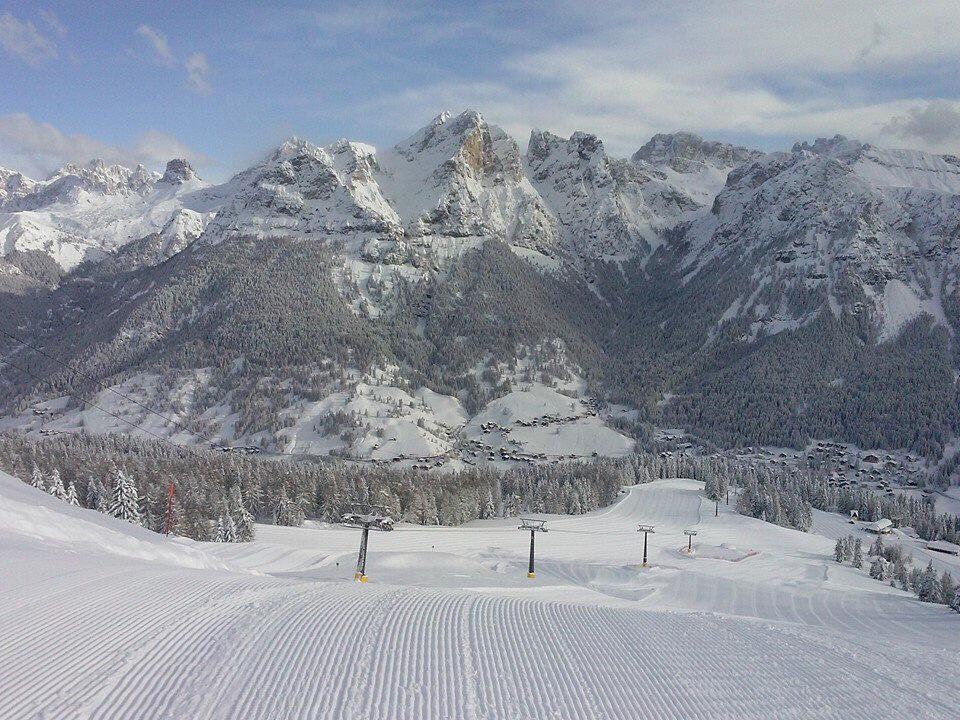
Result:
x=619 y=208
x=305 y=189
x=868 y=230
x=178 y=171
x=686 y=152
x=461 y=177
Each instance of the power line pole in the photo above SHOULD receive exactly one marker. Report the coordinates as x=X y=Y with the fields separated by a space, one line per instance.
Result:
x=646 y=530
x=534 y=526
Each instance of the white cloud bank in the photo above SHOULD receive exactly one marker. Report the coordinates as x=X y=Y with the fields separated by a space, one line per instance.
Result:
x=770 y=69
x=37 y=148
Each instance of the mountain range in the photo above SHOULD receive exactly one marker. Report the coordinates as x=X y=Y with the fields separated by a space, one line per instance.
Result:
x=331 y=298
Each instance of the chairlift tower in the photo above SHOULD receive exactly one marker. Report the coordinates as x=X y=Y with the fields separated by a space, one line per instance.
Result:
x=371 y=516
x=534 y=526
x=689 y=534
x=646 y=530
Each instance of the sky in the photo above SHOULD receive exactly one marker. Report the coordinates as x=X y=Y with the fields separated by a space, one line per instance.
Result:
x=222 y=83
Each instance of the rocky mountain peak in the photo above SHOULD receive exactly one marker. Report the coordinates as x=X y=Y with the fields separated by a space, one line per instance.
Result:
x=686 y=152
x=829 y=146
x=177 y=172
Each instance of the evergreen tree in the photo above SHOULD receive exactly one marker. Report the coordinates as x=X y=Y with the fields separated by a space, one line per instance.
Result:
x=928 y=588
x=848 y=549
x=711 y=487
x=900 y=573
x=125 y=501
x=226 y=532
x=839 y=550
x=36 y=479
x=947 y=589
x=95 y=493
x=55 y=487
x=857 y=554
x=876 y=568
x=242 y=519
x=72 y=495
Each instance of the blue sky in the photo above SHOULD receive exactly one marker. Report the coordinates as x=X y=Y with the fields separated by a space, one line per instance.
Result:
x=142 y=82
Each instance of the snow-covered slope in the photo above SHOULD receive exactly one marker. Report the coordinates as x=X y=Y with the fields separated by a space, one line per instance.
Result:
x=450 y=627
x=30 y=518
x=85 y=212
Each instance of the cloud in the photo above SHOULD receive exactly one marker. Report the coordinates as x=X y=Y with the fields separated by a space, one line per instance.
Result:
x=792 y=70
x=936 y=124
x=158 y=43
x=53 y=22
x=196 y=65
x=198 y=73
x=37 y=148
x=24 y=41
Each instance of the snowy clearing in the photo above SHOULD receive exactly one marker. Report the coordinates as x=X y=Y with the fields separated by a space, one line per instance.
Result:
x=450 y=627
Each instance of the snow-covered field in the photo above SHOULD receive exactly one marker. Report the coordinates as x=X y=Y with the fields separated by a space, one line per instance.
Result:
x=388 y=423
x=99 y=619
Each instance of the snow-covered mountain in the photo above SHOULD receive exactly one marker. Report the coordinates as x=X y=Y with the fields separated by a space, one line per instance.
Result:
x=867 y=230
x=458 y=177
x=609 y=207
x=752 y=298
x=86 y=212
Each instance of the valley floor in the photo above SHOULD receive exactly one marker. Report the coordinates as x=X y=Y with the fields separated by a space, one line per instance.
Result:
x=99 y=619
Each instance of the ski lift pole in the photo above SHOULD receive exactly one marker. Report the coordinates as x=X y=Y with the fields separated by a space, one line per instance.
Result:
x=646 y=530
x=361 y=574
x=534 y=526
x=530 y=571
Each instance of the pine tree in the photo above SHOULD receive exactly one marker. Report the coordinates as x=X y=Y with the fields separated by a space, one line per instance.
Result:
x=711 y=487
x=876 y=568
x=72 y=495
x=125 y=501
x=55 y=487
x=36 y=479
x=947 y=589
x=839 y=550
x=226 y=532
x=900 y=573
x=857 y=554
x=928 y=589
x=242 y=519
x=848 y=549
x=95 y=493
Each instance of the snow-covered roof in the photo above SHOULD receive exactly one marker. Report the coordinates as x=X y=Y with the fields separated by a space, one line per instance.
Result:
x=944 y=546
x=881 y=524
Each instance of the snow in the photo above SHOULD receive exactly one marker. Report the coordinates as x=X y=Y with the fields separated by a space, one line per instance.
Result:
x=900 y=304
x=31 y=517
x=449 y=626
x=87 y=212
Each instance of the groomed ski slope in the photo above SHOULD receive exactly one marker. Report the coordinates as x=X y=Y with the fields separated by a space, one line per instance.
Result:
x=118 y=623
